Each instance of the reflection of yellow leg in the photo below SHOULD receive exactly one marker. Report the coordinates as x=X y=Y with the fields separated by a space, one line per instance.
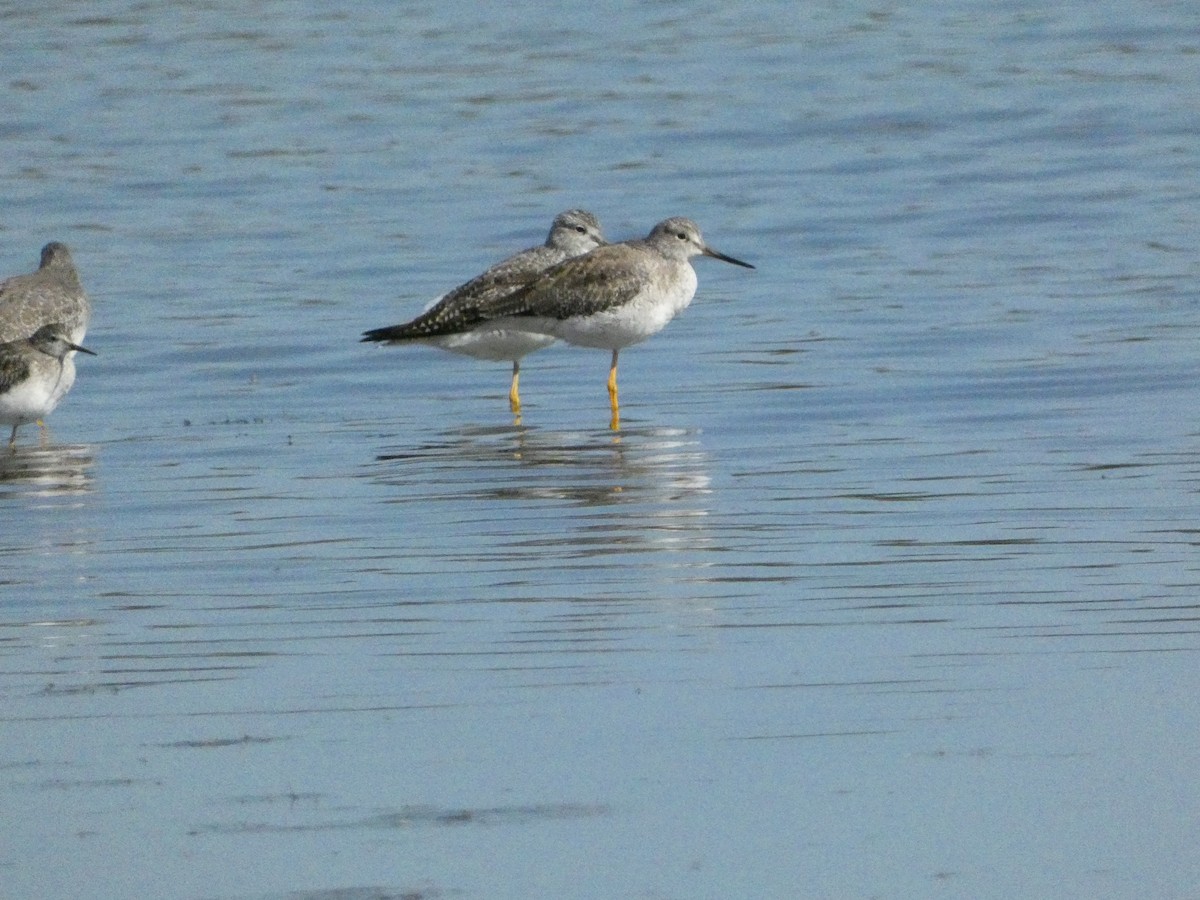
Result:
x=615 y=424
x=514 y=396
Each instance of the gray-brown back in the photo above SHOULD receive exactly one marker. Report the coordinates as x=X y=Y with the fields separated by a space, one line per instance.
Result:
x=51 y=294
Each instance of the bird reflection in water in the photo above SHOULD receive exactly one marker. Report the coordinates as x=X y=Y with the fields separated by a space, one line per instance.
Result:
x=638 y=465
x=47 y=470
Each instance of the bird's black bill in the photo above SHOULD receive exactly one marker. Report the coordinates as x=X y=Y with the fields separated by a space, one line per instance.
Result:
x=82 y=349
x=709 y=251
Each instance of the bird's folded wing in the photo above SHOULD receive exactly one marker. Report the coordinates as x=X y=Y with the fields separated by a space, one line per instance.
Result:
x=581 y=286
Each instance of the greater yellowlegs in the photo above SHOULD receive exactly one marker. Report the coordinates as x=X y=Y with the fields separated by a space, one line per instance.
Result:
x=51 y=294
x=34 y=375
x=615 y=295
x=453 y=321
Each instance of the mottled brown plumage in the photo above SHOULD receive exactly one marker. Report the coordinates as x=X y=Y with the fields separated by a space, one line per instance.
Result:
x=454 y=321
x=615 y=295
x=573 y=232
x=642 y=273
x=51 y=294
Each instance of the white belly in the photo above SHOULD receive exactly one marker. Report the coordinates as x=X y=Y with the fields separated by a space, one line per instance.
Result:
x=37 y=396
x=498 y=340
x=645 y=315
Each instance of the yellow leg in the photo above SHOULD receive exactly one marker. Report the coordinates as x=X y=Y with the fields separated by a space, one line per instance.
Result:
x=612 y=382
x=514 y=395
x=615 y=423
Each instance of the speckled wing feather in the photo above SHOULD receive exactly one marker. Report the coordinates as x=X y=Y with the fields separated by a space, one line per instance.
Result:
x=14 y=367
x=462 y=307
x=607 y=277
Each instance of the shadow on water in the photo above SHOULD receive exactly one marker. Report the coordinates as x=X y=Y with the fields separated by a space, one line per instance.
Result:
x=409 y=817
x=422 y=892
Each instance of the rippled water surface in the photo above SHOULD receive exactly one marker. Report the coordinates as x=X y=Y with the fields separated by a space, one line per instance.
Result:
x=887 y=586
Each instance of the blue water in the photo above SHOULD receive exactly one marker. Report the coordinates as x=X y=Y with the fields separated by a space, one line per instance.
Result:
x=887 y=586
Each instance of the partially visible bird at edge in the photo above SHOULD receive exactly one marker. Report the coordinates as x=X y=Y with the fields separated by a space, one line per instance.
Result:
x=34 y=375
x=51 y=294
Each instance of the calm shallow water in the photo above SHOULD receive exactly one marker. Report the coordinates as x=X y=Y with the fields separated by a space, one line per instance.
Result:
x=886 y=587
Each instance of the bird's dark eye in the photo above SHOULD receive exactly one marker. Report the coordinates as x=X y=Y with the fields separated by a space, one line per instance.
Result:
x=681 y=235
x=581 y=229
